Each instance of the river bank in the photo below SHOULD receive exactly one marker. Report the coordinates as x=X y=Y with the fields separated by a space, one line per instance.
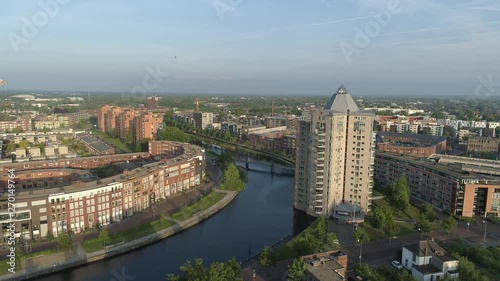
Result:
x=60 y=261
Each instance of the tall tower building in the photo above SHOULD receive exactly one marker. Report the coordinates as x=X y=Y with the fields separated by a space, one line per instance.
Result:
x=334 y=157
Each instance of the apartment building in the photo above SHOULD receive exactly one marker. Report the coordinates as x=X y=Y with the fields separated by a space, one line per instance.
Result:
x=107 y=117
x=483 y=144
x=146 y=126
x=142 y=124
x=461 y=185
x=52 y=196
x=153 y=103
x=411 y=144
x=203 y=119
x=334 y=157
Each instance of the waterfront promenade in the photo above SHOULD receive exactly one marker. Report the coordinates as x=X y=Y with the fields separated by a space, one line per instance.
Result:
x=59 y=261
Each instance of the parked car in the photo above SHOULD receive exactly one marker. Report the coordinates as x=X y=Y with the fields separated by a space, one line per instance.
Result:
x=397 y=264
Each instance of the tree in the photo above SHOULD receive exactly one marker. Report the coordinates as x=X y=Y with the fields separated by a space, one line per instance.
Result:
x=361 y=236
x=382 y=216
x=391 y=229
x=17 y=130
x=302 y=245
x=367 y=273
x=84 y=124
x=438 y=115
x=449 y=224
x=115 y=133
x=23 y=144
x=227 y=135
x=405 y=275
x=427 y=211
x=267 y=256
x=174 y=134
x=422 y=224
x=64 y=241
x=296 y=270
x=468 y=271
x=232 y=179
x=104 y=237
x=129 y=135
x=191 y=271
x=229 y=270
x=400 y=194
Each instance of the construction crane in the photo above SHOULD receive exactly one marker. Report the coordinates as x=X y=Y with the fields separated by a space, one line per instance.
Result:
x=197 y=102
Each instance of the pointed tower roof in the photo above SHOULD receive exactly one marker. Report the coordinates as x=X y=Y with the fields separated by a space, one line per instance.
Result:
x=341 y=101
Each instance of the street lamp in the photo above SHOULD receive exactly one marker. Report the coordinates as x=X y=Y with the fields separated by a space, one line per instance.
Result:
x=421 y=234
x=485 y=226
x=360 y=250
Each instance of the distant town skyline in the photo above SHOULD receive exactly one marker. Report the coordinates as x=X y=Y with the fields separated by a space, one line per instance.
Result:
x=377 y=47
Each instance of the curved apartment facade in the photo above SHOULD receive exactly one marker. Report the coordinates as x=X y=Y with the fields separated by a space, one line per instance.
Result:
x=58 y=195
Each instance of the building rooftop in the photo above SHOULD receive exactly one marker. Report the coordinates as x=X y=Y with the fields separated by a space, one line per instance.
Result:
x=341 y=101
x=325 y=267
x=420 y=139
x=427 y=269
x=456 y=170
x=426 y=248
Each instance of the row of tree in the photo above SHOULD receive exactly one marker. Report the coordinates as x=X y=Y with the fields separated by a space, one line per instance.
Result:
x=217 y=271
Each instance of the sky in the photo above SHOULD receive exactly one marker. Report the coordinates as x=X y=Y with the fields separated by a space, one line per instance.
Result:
x=280 y=47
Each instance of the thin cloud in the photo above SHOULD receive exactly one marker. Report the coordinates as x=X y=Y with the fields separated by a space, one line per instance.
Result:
x=257 y=34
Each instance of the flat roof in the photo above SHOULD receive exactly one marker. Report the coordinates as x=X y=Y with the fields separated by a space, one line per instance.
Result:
x=426 y=269
x=325 y=270
x=451 y=169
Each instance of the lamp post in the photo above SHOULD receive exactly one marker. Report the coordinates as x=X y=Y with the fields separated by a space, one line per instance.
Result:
x=485 y=226
x=360 y=250
x=421 y=234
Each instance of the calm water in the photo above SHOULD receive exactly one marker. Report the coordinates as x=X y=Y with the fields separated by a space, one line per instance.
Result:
x=259 y=216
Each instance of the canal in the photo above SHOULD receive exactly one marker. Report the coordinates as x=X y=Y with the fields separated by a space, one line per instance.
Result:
x=261 y=215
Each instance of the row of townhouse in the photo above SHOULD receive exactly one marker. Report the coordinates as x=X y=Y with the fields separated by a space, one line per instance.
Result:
x=52 y=200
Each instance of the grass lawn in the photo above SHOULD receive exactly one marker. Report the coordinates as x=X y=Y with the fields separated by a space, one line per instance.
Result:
x=412 y=211
x=93 y=245
x=204 y=203
x=4 y=266
x=114 y=141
